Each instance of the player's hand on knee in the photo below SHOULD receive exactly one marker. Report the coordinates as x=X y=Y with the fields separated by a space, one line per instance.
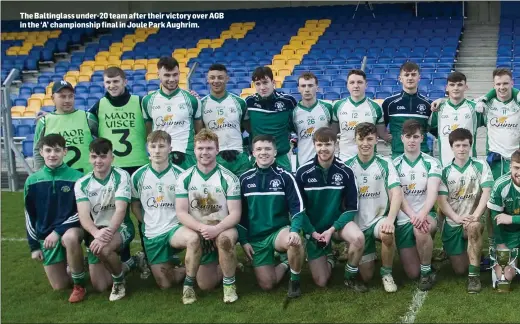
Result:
x=96 y=246
x=504 y=219
x=210 y=232
x=293 y=239
x=326 y=236
x=387 y=227
x=51 y=240
x=37 y=255
x=248 y=250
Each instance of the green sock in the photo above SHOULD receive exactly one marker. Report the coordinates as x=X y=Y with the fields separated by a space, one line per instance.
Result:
x=491 y=241
x=228 y=281
x=189 y=281
x=474 y=271
x=426 y=269
x=350 y=271
x=131 y=263
x=119 y=278
x=385 y=271
x=79 y=278
x=295 y=276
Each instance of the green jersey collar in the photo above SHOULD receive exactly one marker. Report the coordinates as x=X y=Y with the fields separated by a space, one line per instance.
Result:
x=60 y=168
x=458 y=105
x=219 y=100
x=163 y=172
x=208 y=175
x=412 y=163
x=356 y=104
x=461 y=170
x=307 y=108
x=365 y=165
x=103 y=181
x=174 y=93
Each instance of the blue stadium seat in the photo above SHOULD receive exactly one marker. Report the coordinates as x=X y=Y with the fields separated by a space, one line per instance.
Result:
x=27 y=148
x=48 y=108
x=23 y=130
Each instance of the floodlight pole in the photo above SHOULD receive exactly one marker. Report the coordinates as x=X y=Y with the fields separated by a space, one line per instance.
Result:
x=367 y=3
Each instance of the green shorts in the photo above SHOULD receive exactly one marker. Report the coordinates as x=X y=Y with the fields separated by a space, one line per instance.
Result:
x=404 y=235
x=158 y=249
x=282 y=161
x=127 y=232
x=239 y=166
x=315 y=252
x=510 y=238
x=189 y=161
x=453 y=239
x=369 y=251
x=52 y=256
x=500 y=167
x=264 y=250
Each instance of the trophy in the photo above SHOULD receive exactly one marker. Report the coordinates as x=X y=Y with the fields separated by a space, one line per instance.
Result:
x=503 y=258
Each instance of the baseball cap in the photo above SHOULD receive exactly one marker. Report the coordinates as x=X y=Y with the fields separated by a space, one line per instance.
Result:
x=58 y=86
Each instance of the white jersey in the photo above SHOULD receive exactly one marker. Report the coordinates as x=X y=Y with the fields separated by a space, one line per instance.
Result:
x=414 y=180
x=463 y=186
x=174 y=114
x=224 y=117
x=348 y=114
x=306 y=121
x=503 y=126
x=156 y=193
x=449 y=118
x=374 y=178
x=102 y=194
x=208 y=193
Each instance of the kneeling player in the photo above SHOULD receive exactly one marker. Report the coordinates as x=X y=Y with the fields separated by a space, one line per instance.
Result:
x=208 y=202
x=269 y=195
x=379 y=187
x=504 y=204
x=420 y=176
x=103 y=197
x=51 y=218
x=326 y=179
x=463 y=194
x=153 y=203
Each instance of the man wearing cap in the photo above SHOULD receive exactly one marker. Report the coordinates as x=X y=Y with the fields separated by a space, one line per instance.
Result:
x=78 y=127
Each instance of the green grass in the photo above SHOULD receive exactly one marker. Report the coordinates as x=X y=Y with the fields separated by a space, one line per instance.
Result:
x=27 y=296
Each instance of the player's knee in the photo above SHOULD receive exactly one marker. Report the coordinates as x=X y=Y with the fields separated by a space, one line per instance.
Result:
x=163 y=284
x=207 y=285
x=320 y=280
x=71 y=239
x=60 y=285
x=474 y=229
x=266 y=285
x=192 y=240
x=413 y=273
x=387 y=239
x=366 y=276
x=100 y=286
x=358 y=242
x=420 y=237
x=225 y=244
x=459 y=271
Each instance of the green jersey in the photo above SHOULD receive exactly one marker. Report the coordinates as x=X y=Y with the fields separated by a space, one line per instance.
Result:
x=78 y=128
x=505 y=198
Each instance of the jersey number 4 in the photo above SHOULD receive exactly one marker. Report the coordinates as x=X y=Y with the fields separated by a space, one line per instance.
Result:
x=123 y=140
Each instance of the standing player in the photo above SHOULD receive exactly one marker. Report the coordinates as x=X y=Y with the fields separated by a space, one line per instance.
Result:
x=77 y=127
x=223 y=113
x=103 y=197
x=406 y=104
x=380 y=198
x=175 y=111
x=505 y=212
x=463 y=194
x=153 y=203
x=269 y=196
x=309 y=115
x=51 y=218
x=420 y=176
x=208 y=202
x=357 y=108
x=270 y=112
x=326 y=178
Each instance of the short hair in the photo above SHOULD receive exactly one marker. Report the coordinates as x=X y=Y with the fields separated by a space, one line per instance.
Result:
x=206 y=135
x=357 y=72
x=53 y=140
x=460 y=134
x=262 y=72
x=169 y=63
x=157 y=135
x=100 y=146
x=515 y=157
x=113 y=72
x=409 y=67
x=365 y=129
x=502 y=71
x=308 y=76
x=411 y=126
x=217 y=67
x=457 y=77
x=265 y=138
x=325 y=134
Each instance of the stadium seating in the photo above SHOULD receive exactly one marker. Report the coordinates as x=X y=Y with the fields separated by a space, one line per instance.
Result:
x=509 y=26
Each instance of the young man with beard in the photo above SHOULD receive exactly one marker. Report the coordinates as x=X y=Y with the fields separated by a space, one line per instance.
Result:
x=223 y=113
x=208 y=202
x=103 y=198
x=175 y=111
x=326 y=178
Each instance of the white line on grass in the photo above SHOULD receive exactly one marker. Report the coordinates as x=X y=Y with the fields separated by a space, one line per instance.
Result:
x=417 y=302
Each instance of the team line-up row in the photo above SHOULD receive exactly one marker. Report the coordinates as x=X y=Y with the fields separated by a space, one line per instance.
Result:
x=118 y=120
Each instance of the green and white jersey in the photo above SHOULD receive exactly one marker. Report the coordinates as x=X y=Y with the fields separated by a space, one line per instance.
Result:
x=414 y=177
x=306 y=121
x=505 y=198
x=463 y=186
x=208 y=193
x=450 y=117
x=175 y=114
x=156 y=192
x=502 y=120
x=224 y=117
x=348 y=114
x=103 y=193
x=374 y=178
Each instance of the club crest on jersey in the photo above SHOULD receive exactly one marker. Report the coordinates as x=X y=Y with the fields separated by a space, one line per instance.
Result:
x=279 y=105
x=322 y=118
x=65 y=188
x=275 y=184
x=336 y=179
x=421 y=108
x=171 y=187
x=183 y=106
